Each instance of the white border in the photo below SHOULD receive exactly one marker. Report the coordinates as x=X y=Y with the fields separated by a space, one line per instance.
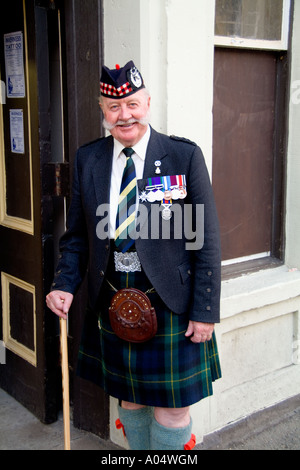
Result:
x=12 y=344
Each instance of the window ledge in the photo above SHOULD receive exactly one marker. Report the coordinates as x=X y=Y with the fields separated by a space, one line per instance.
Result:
x=238 y=269
x=258 y=289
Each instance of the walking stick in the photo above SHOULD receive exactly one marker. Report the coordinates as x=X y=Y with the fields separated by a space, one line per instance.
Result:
x=65 y=381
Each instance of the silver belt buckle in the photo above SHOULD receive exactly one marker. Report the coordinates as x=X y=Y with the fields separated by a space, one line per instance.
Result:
x=127 y=262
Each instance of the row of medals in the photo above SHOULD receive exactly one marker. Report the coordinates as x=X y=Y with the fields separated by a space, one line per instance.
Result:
x=155 y=194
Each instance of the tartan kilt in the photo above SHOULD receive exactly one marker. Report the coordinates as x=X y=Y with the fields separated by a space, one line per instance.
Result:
x=168 y=370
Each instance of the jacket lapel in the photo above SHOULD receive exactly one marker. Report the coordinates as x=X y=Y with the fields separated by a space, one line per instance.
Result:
x=102 y=171
x=155 y=151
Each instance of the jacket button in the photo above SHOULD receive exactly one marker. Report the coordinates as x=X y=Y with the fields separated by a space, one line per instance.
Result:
x=208 y=308
x=208 y=290
x=209 y=273
x=101 y=273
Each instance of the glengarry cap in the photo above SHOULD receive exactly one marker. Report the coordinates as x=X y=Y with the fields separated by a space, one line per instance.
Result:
x=121 y=81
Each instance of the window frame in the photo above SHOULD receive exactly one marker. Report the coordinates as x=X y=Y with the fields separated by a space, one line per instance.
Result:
x=259 y=261
x=275 y=255
x=280 y=45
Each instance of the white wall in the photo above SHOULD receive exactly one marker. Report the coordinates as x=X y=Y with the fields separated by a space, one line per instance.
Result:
x=293 y=167
x=173 y=47
x=171 y=41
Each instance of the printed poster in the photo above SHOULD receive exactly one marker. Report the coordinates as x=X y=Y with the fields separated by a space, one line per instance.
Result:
x=16 y=131
x=14 y=65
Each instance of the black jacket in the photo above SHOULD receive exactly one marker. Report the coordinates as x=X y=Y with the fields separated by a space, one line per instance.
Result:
x=187 y=279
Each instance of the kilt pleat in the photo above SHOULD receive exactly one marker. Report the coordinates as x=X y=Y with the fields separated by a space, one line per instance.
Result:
x=168 y=371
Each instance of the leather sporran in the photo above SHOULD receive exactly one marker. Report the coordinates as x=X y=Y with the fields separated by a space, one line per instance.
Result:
x=132 y=317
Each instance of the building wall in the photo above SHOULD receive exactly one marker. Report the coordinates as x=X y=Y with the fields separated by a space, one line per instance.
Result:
x=174 y=51
x=259 y=331
x=293 y=163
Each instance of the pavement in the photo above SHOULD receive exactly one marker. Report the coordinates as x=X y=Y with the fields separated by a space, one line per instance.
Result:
x=274 y=428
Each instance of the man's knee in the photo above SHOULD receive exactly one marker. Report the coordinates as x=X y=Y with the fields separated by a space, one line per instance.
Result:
x=173 y=417
x=131 y=406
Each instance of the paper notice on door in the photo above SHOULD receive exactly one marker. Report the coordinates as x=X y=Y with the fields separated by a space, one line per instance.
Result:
x=16 y=131
x=14 y=65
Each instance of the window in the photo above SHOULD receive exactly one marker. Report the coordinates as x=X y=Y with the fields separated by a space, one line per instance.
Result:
x=252 y=23
x=249 y=128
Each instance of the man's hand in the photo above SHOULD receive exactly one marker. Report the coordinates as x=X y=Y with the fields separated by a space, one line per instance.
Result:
x=59 y=302
x=199 y=332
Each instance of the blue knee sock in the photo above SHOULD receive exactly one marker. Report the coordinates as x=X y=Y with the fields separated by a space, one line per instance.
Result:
x=163 y=438
x=137 y=427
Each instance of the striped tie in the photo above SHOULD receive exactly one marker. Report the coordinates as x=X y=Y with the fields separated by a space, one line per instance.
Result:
x=125 y=224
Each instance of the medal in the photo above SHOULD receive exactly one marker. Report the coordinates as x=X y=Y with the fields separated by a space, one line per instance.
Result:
x=166 y=213
x=154 y=190
x=167 y=194
x=182 y=193
x=164 y=188
x=158 y=164
x=159 y=195
x=151 y=196
x=175 y=193
x=143 y=196
x=182 y=186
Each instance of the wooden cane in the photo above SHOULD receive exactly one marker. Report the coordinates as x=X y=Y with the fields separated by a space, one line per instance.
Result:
x=65 y=381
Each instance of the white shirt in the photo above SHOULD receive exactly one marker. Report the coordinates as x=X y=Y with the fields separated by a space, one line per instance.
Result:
x=118 y=165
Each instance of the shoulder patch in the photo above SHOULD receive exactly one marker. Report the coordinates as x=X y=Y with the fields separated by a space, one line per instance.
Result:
x=182 y=139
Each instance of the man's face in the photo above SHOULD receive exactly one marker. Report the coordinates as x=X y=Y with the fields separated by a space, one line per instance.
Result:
x=126 y=118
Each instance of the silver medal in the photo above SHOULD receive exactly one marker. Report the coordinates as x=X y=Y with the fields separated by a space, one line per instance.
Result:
x=182 y=192
x=166 y=213
x=158 y=164
x=151 y=197
x=168 y=195
x=143 y=196
x=175 y=193
x=159 y=195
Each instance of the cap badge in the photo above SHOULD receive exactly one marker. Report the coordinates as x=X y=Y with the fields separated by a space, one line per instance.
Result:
x=135 y=77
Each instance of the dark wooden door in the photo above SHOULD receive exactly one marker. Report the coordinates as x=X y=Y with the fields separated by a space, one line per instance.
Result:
x=61 y=58
x=31 y=372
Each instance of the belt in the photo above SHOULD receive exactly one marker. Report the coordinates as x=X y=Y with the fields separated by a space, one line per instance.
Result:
x=149 y=291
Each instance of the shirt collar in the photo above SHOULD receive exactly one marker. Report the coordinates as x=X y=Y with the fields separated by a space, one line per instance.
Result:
x=140 y=148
